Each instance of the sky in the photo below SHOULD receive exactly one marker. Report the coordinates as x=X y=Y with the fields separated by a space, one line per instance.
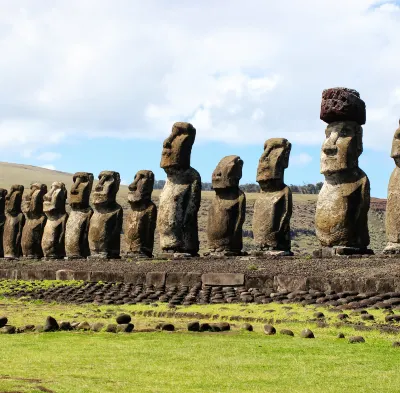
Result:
x=92 y=85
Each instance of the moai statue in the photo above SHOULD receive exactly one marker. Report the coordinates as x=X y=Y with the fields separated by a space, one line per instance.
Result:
x=106 y=223
x=35 y=221
x=341 y=219
x=180 y=199
x=393 y=201
x=140 y=222
x=77 y=230
x=53 y=241
x=3 y=194
x=15 y=221
x=273 y=208
x=228 y=209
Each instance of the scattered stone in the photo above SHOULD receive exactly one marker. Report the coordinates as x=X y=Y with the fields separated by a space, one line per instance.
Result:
x=74 y=325
x=306 y=333
x=247 y=326
x=392 y=318
x=205 y=327
x=8 y=329
x=123 y=319
x=340 y=335
x=125 y=327
x=193 y=326
x=3 y=321
x=343 y=316
x=269 y=330
x=286 y=332
x=50 y=325
x=319 y=315
x=39 y=328
x=97 y=326
x=224 y=326
x=83 y=326
x=65 y=325
x=367 y=317
x=111 y=328
x=168 y=327
x=356 y=339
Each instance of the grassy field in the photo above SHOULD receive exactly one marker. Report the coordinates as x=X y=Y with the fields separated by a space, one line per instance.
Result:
x=181 y=361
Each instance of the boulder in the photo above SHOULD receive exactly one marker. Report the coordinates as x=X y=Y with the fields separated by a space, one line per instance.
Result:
x=269 y=330
x=50 y=325
x=97 y=326
x=123 y=319
x=168 y=327
x=111 y=328
x=286 y=332
x=307 y=333
x=65 y=325
x=8 y=329
x=247 y=326
x=193 y=326
x=3 y=321
x=356 y=339
x=83 y=326
x=125 y=327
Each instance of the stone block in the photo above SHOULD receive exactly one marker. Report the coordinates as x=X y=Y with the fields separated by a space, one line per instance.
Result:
x=135 y=278
x=38 y=275
x=223 y=279
x=156 y=279
x=8 y=274
x=318 y=283
x=290 y=283
x=186 y=279
x=65 y=275
x=106 y=277
x=259 y=281
x=82 y=275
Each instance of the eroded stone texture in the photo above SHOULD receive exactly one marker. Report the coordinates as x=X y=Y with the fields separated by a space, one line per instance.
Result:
x=140 y=223
x=35 y=221
x=15 y=221
x=106 y=222
x=53 y=241
x=393 y=201
x=180 y=199
x=3 y=194
x=77 y=230
x=341 y=219
x=342 y=104
x=227 y=211
x=273 y=208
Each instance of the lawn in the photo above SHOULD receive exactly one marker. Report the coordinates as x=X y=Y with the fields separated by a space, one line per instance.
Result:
x=234 y=361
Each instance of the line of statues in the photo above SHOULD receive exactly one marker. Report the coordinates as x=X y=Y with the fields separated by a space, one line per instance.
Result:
x=35 y=224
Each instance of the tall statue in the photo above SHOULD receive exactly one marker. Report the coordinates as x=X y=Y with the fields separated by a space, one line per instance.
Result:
x=3 y=194
x=53 y=240
x=228 y=209
x=14 y=223
x=341 y=219
x=393 y=201
x=77 y=230
x=273 y=208
x=35 y=221
x=106 y=223
x=140 y=222
x=180 y=199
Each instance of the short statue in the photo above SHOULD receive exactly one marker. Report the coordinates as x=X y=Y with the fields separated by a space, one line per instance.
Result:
x=53 y=241
x=106 y=223
x=228 y=209
x=341 y=219
x=15 y=221
x=77 y=230
x=140 y=222
x=3 y=194
x=180 y=199
x=393 y=201
x=35 y=221
x=273 y=208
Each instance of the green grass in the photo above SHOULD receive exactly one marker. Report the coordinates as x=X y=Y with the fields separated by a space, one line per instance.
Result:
x=234 y=361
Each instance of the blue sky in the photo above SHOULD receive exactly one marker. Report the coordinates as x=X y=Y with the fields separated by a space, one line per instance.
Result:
x=91 y=85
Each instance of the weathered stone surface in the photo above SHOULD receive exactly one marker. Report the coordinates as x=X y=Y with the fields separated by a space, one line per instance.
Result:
x=223 y=279
x=342 y=104
x=188 y=279
x=9 y=329
x=50 y=325
x=227 y=212
x=35 y=221
x=125 y=327
x=247 y=326
x=307 y=333
x=290 y=283
x=123 y=319
x=140 y=222
x=269 y=330
x=273 y=208
x=259 y=281
x=83 y=326
x=14 y=223
x=356 y=339
x=3 y=321
x=65 y=325
x=286 y=332
x=65 y=274
x=193 y=326
x=111 y=328
x=3 y=194
x=77 y=229
x=53 y=240
x=180 y=199
x=341 y=219
x=106 y=223
x=156 y=279
x=97 y=326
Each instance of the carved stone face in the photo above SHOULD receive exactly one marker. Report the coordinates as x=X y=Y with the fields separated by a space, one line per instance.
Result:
x=14 y=199
x=228 y=173
x=142 y=187
x=178 y=147
x=395 y=154
x=32 y=201
x=342 y=147
x=274 y=160
x=3 y=194
x=81 y=189
x=106 y=190
x=54 y=200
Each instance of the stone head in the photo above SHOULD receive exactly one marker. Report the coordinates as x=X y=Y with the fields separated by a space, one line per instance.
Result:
x=106 y=189
x=342 y=147
x=32 y=201
x=3 y=194
x=54 y=200
x=142 y=187
x=81 y=189
x=228 y=173
x=395 y=154
x=274 y=160
x=177 y=147
x=14 y=199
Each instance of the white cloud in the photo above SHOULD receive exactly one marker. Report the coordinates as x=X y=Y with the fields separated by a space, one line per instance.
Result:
x=301 y=159
x=49 y=166
x=241 y=74
x=48 y=156
x=125 y=182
